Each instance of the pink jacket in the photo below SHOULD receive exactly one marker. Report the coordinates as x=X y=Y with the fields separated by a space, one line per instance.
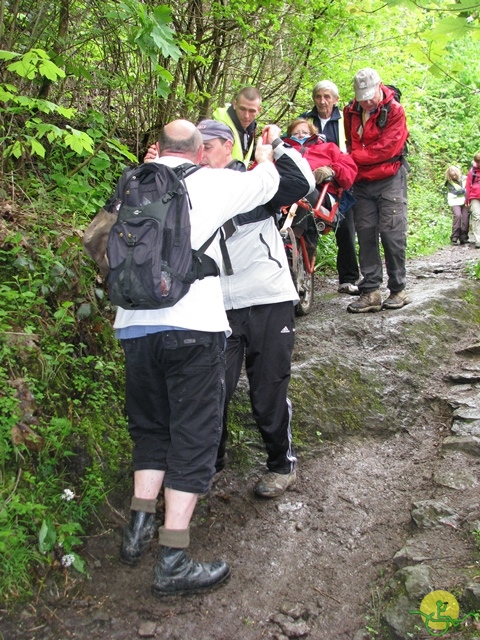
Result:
x=472 y=186
x=319 y=153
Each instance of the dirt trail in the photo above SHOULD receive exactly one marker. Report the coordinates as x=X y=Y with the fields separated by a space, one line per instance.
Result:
x=310 y=564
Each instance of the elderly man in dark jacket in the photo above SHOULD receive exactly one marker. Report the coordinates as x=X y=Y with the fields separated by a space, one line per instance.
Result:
x=327 y=118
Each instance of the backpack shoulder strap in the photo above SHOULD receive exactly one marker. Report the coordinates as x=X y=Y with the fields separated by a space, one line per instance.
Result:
x=383 y=116
x=203 y=265
x=185 y=169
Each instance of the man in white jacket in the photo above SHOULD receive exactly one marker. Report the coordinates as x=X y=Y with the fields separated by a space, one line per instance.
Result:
x=260 y=300
x=175 y=364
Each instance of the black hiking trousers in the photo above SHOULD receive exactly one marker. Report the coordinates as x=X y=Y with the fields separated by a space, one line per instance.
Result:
x=263 y=336
x=380 y=214
x=174 y=399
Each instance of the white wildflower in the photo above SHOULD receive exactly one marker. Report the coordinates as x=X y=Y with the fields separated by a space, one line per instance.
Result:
x=68 y=495
x=470 y=19
x=68 y=559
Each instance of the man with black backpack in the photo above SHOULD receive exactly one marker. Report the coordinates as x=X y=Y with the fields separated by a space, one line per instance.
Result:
x=376 y=134
x=175 y=368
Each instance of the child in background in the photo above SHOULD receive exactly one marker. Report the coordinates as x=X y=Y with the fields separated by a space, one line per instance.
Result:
x=472 y=198
x=455 y=183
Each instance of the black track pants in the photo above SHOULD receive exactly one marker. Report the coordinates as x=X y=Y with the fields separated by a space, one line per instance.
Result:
x=263 y=336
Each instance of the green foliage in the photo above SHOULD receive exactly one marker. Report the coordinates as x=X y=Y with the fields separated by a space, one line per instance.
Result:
x=64 y=153
x=63 y=439
x=326 y=254
x=152 y=34
x=20 y=107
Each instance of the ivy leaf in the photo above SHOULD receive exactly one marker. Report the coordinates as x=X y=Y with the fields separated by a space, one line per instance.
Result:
x=78 y=141
x=23 y=68
x=84 y=311
x=5 y=96
x=52 y=130
x=187 y=47
x=162 y=89
x=67 y=112
x=164 y=73
x=15 y=150
x=79 y=564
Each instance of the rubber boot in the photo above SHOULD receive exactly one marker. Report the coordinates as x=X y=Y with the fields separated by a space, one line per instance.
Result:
x=139 y=532
x=177 y=574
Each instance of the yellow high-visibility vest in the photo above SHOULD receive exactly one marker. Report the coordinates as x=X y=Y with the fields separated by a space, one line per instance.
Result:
x=221 y=114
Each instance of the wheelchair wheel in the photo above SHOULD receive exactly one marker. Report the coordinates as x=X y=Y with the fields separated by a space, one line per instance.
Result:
x=304 y=285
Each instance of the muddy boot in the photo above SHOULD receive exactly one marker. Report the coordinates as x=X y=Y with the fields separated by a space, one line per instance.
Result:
x=138 y=534
x=396 y=300
x=367 y=302
x=177 y=574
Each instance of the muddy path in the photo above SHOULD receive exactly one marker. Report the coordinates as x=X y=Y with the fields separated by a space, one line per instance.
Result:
x=315 y=562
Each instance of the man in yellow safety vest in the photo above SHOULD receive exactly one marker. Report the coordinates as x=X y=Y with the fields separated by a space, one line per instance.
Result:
x=240 y=117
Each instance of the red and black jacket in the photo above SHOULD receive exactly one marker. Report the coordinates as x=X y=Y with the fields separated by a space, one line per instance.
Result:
x=379 y=149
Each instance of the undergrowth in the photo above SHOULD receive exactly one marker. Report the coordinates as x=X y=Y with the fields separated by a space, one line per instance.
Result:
x=63 y=440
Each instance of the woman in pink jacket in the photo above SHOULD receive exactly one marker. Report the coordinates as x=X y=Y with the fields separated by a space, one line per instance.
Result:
x=472 y=198
x=326 y=160
x=320 y=155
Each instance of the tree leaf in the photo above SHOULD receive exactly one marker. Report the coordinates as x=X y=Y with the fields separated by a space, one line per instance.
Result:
x=7 y=55
x=50 y=70
x=37 y=147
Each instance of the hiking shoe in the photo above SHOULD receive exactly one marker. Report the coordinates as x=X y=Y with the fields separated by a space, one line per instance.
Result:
x=396 y=300
x=350 y=288
x=137 y=535
x=371 y=301
x=176 y=574
x=274 y=484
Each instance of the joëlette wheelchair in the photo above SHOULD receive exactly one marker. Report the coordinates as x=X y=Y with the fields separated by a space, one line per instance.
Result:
x=301 y=225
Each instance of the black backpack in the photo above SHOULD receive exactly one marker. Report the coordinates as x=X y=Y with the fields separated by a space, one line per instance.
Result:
x=152 y=264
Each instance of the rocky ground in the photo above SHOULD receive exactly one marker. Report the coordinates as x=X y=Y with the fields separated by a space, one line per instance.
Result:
x=387 y=419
